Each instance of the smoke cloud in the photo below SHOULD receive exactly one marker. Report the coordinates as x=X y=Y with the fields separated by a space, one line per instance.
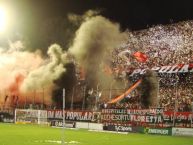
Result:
x=93 y=44
x=51 y=70
x=26 y=73
x=149 y=89
x=15 y=65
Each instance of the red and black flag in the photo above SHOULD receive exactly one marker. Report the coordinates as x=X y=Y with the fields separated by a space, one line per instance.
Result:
x=141 y=57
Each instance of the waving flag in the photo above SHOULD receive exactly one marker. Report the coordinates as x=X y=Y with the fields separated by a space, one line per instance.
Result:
x=141 y=57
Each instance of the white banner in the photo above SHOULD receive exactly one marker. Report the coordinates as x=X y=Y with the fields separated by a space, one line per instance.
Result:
x=184 y=68
x=182 y=131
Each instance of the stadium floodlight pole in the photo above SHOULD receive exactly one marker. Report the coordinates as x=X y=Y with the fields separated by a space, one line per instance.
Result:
x=63 y=114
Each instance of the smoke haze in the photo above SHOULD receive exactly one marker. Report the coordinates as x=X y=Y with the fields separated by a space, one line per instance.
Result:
x=23 y=72
x=47 y=72
x=93 y=44
x=149 y=89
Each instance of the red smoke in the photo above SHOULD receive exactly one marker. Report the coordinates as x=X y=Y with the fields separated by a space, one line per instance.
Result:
x=15 y=96
x=14 y=87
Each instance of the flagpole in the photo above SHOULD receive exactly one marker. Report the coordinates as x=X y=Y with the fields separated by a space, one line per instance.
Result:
x=34 y=98
x=84 y=93
x=26 y=102
x=43 y=99
x=110 y=91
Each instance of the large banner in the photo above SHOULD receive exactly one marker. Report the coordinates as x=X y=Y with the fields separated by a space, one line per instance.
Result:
x=131 y=115
x=180 y=68
x=118 y=118
x=83 y=116
x=179 y=119
x=146 y=117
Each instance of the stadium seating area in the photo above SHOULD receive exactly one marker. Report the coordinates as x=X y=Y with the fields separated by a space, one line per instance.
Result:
x=163 y=46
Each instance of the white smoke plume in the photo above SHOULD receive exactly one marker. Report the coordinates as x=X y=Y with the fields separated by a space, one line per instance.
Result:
x=43 y=76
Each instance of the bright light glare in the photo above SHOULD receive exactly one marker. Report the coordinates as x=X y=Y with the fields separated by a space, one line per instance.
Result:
x=2 y=19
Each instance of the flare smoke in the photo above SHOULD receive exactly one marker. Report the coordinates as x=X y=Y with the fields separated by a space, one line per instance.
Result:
x=15 y=65
x=149 y=89
x=94 y=41
x=46 y=73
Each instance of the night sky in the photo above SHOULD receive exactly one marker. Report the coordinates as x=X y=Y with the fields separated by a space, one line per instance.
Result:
x=43 y=22
x=132 y=14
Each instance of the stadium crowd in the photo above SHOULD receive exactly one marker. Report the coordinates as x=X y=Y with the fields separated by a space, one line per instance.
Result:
x=163 y=46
